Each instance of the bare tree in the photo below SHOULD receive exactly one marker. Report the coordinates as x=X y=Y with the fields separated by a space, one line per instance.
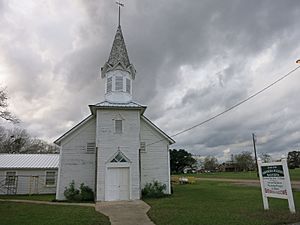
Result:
x=19 y=141
x=210 y=163
x=14 y=141
x=4 y=113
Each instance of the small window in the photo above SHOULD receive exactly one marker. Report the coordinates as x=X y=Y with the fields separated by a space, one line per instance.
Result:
x=109 y=84
x=10 y=179
x=119 y=83
x=127 y=85
x=143 y=146
x=119 y=158
x=91 y=147
x=50 y=178
x=118 y=126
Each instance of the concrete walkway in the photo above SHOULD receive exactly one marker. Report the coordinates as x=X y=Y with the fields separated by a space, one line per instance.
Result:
x=125 y=212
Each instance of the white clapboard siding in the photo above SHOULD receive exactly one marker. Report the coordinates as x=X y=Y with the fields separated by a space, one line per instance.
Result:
x=109 y=142
x=155 y=158
x=76 y=163
x=26 y=184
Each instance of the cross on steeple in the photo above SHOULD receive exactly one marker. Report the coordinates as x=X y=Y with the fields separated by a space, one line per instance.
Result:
x=119 y=5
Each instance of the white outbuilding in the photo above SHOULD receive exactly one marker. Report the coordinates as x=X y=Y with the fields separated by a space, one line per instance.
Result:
x=116 y=150
x=28 y=173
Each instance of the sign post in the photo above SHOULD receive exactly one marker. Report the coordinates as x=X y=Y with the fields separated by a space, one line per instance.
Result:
x=275 y=182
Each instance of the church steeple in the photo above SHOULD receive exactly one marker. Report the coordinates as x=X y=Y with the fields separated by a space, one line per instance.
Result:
x=118 y=56
x=118 y=72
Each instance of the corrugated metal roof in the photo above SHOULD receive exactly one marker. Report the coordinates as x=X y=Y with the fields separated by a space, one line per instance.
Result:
x=111 y=104
x=29 y=161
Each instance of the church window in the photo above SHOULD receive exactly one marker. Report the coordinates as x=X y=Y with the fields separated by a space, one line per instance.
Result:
x=119 y=158
x=127 y=85
x=119 y=83
x=118 y=126
x=109 y=84
x=90 y=147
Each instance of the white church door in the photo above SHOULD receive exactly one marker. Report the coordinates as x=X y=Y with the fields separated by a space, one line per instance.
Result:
x=117 y=184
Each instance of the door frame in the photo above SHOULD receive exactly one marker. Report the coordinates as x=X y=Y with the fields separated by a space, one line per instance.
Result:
x=117 y=165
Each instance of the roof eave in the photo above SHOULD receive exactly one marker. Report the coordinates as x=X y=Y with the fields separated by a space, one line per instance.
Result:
x=93 y=108
x=73 y=129
x=171 y=140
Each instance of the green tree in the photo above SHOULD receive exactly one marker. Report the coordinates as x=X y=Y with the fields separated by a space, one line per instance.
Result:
x=179 y=159
x=210 y=163
x=245 y=161
x=293 y=159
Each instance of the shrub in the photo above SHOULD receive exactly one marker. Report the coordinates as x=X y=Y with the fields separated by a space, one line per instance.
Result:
x=73 y=194
x=154 y=190
x=86 y=193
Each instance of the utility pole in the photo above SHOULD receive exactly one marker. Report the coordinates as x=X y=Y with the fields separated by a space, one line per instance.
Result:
x=255 y=155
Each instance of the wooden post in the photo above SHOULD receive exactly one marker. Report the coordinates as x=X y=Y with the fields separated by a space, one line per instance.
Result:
x=288 y=184
x=264 y=197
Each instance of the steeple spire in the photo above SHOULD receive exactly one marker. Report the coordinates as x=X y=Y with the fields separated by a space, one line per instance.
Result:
x=118 y=53
x=118 y=57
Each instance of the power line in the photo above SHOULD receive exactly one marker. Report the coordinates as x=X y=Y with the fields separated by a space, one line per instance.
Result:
x=232 y=107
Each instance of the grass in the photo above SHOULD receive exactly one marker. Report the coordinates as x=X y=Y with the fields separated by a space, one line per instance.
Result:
x=219 y=203
x=36 y=214
x=294 y=174
x=46 y=197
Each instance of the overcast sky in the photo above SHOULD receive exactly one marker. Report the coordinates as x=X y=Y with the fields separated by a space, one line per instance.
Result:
x=194 y=59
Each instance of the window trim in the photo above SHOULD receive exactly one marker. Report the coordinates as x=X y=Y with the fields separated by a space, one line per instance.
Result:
x=117 y=131
x=55 y=174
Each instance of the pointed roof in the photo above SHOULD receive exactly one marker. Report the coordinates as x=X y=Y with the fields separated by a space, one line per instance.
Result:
x=118 y=53
x=118 y=57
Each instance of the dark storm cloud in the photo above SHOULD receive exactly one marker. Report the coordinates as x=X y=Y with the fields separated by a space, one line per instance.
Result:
x=194 y=59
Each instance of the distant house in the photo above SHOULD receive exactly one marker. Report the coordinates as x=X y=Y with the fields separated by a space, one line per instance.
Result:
x=28 y=173
x=229 y=167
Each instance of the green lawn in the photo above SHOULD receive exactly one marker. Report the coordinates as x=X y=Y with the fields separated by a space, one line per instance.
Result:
x=295 y=175
x=219 y=203
x=47 y=198
x=36 y=214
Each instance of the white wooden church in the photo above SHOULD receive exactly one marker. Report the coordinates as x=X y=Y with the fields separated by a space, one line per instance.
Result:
x=116 y=150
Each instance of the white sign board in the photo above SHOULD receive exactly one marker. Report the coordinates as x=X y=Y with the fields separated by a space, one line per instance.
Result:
x=275 y=182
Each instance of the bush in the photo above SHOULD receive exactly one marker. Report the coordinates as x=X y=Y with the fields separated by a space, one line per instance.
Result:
x=73 y=194
x=154 y=190
x=86 y=193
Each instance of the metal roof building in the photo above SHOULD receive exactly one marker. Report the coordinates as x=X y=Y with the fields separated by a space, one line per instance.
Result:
x=29 y=161
x=28 y=173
